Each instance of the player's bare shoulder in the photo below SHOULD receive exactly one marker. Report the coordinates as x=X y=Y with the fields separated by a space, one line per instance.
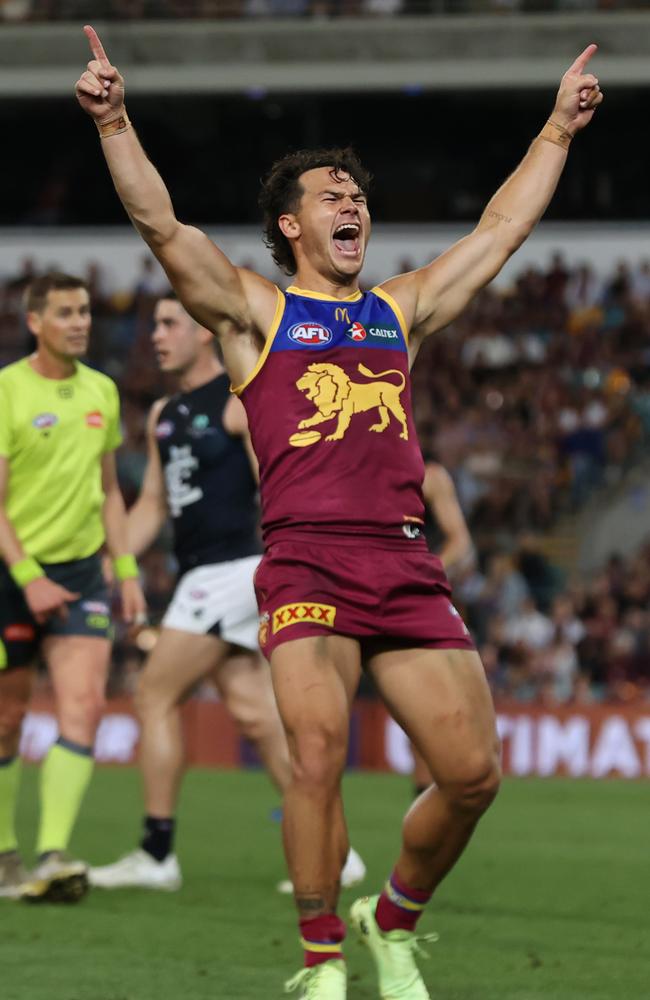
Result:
x=242 y=345
x=155 y=411
x=403 y=288
x=262 y=298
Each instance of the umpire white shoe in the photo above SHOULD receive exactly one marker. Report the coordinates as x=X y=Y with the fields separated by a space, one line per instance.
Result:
x=354 y=871
x=138 y=870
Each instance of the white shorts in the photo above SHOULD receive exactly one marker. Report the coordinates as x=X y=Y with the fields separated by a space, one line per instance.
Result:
x=219 y=600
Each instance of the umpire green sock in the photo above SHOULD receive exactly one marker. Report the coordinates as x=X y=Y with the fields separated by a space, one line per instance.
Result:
x=65 y=776
x=10 y=768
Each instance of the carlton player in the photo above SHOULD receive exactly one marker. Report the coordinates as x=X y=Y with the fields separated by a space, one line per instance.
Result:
x=346 y=578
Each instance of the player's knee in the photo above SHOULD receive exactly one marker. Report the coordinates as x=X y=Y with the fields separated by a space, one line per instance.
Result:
x=479 y=785
x=318 y=756
x=249 y=718
x=80 y=715
x=151 y=697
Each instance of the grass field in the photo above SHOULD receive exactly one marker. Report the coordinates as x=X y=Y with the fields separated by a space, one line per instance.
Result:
x=551 y=901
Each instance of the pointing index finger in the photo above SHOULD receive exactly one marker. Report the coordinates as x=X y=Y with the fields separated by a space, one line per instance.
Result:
x=582 y=60
x=96 y=46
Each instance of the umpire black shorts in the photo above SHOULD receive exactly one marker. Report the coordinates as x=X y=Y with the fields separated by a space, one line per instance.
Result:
x=90 y=614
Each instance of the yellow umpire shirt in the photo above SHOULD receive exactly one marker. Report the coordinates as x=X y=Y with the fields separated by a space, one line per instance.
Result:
x=53 y=434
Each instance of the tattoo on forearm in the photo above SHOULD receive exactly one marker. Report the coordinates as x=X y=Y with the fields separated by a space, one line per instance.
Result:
x=311 y=905
x=498 y=215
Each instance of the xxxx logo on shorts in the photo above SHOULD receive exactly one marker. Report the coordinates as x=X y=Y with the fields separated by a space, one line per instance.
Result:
x=296 y=614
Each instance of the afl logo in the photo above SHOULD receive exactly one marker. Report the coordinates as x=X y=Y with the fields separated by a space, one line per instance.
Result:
x=356 y=332
x=44 y=420
x=310 y=334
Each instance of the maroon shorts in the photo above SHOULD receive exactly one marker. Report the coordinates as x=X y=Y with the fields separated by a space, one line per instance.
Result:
x=319 y=586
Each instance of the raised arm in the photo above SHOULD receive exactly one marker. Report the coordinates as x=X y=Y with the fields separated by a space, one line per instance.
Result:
x=434 y=295
x=210 y=287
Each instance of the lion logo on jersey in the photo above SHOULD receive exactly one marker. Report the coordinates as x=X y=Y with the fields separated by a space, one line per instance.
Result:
x=334 y=394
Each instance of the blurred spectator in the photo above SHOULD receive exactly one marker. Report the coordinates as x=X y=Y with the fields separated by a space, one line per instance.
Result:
x=529 y=627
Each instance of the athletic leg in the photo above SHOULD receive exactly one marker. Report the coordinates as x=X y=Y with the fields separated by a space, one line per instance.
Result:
x=78 y=667
x=178 y=661
x=442 y=701
x=18 y=642
x=421 y=774
x=244 y=683
x=314 y=681
x=15 y=689
x=15 y=692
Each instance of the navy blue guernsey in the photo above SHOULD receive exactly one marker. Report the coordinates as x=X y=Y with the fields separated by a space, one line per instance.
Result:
x=211 y=492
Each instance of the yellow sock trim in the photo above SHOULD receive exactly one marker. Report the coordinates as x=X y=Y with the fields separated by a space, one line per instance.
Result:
x=9 y=782
x=322 y=949
x=399 y=900
x=65 y=776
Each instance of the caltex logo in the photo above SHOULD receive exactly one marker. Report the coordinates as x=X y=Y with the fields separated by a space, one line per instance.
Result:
x=356 y=332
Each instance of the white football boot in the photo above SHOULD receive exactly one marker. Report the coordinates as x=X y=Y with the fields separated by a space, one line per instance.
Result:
x=138 y=870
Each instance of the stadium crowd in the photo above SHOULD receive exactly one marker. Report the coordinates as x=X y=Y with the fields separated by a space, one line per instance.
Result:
x=534 y=399
x=62 y=10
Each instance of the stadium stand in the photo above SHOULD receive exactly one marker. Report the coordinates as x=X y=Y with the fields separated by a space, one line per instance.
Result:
x=25 y=10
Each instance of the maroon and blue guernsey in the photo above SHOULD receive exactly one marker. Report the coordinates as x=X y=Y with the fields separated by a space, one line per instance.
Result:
x=329 y=410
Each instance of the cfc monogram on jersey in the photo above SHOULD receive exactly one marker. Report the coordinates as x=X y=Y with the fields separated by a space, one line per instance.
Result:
x=329 y=413
x=210 y=488
x=179 y=467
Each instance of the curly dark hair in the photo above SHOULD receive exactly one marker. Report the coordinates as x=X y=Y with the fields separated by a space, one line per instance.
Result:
x=281 y=192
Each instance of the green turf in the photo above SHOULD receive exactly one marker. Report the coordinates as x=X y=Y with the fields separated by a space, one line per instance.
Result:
x=551 y=900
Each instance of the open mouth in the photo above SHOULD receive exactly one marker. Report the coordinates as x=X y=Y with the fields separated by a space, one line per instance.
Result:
x=347 y=239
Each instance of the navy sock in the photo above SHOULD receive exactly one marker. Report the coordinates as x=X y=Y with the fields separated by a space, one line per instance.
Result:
x=158 y=836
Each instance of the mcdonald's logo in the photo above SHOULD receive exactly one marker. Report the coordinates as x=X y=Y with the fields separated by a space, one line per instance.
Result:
x=342 y=315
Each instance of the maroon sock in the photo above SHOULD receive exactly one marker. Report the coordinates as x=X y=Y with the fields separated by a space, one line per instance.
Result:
x=321 y=938
x=399 y=907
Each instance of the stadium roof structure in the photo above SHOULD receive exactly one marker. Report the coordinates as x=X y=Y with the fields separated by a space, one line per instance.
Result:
x=259 y=56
